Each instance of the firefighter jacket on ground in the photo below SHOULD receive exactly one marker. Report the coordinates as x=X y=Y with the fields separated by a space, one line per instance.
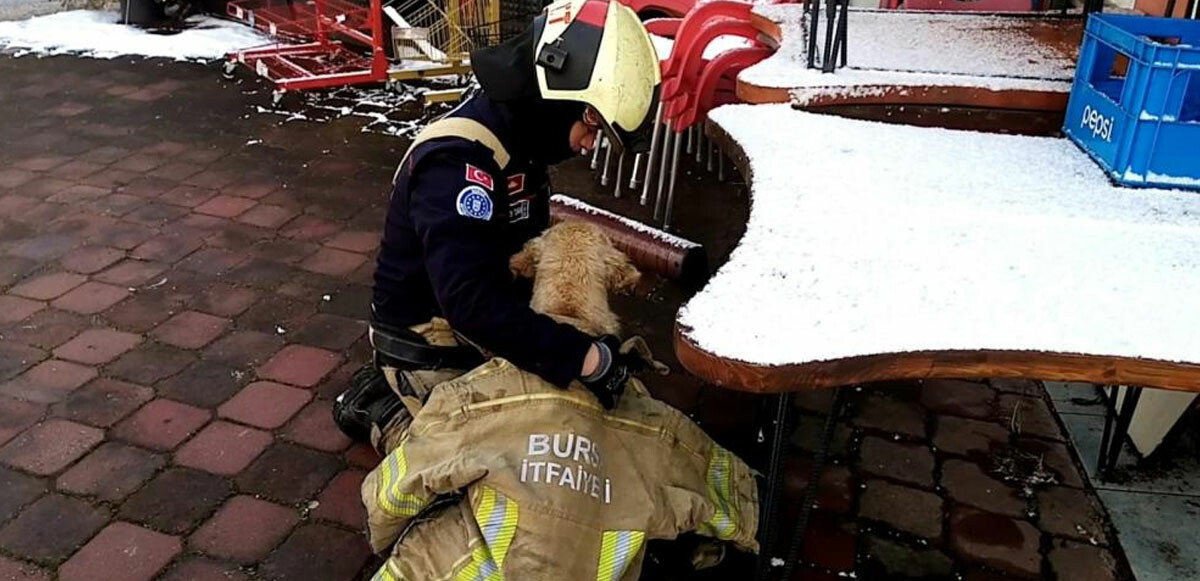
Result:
x=553 y=486
x=469 y=193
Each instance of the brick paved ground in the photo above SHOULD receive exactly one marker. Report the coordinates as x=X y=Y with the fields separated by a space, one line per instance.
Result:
x=178 y=306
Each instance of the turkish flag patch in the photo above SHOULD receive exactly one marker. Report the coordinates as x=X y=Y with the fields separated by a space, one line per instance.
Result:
x=516 y=184
x=478 y=176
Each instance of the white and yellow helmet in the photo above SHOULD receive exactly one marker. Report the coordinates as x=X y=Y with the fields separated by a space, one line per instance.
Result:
x=595 y=52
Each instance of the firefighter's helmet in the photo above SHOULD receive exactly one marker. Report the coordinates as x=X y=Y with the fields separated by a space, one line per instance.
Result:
x=594 y=52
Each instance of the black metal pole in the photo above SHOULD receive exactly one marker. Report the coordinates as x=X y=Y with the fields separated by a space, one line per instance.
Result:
x=1170 y=11
x=814 y=7
x=814 y=483
x=768 y=518
x=827 y=62
x=1132 y=395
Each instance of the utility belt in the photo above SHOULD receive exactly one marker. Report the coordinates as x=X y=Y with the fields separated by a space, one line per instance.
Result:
x=408 y=351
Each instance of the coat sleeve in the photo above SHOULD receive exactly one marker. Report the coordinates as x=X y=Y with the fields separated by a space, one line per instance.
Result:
x=462 y=235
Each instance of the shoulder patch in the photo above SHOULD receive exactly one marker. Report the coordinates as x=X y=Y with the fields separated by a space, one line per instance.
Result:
x=516 y=184
x=474 y=202
x=478 y=176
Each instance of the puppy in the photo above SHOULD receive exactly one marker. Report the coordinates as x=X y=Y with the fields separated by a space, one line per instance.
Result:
x=574 y=266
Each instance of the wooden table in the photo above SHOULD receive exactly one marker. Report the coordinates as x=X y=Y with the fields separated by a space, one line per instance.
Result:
x=877 y=252
x=1008 y=62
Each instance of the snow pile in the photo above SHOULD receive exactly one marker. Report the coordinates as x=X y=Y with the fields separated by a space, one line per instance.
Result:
x=866 y=238
x=919 y=49
x=98 y=34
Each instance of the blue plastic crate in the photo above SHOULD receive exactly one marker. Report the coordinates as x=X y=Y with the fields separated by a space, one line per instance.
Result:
x=1135 y=104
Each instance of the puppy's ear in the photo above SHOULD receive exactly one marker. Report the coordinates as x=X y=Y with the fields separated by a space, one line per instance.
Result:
x=622 y=276
x=524 y=263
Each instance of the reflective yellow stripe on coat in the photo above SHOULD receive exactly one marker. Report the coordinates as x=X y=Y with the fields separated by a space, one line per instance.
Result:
x=496 y=516
x=723 y=524
x=617 y=550
x=394 y=502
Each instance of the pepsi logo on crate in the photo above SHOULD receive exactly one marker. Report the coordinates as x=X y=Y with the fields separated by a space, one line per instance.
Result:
x=1135 y=102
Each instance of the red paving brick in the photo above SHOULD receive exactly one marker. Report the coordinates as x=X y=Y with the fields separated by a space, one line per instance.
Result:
x=267 y=216
x=360 y=241
x=333 y=262
x=212 y=261
x=96 y=346
x=19 y=491
x=50 y=529
x=225 y=300
x=204 y=570
x=103 y=402
x=91 y=259
x=317 y=552
x=17 y=571
x=244 y=530
x=150 y=363
x=190 y=330
x=111 y=472
x=225 y=206
x=50 y=446
x=265 y=404
x=167 y=248
x=314 y=427
x=48 y=286
x=91 y=298
x=49 y=381
x=310 y=228
x=342 y=500
x=187 y=196
x=176 y=501
x=223 y=448
x=289 y=474
x=331 y=332
x=131 y=273
x=299 y=365
x=121 y=552
x=13 y=309
x=162 y=424
x=15 y=358
x=16 y=415
x=244 y=347
x=995 y=540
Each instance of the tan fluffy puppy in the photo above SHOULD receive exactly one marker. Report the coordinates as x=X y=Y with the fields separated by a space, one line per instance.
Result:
x=574 y=266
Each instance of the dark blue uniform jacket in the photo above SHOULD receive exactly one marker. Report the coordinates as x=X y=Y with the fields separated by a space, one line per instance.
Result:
x=454 y=219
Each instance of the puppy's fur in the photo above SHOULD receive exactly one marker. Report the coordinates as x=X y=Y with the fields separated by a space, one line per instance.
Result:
x=574 y=266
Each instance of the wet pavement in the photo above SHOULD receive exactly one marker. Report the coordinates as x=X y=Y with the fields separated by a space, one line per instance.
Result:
x=183 y=283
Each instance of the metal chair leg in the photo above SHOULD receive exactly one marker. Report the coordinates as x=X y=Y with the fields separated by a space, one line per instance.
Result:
x=670 y=211
x=670 y=138
x=769 y=509
x=814 y=479
x=607 y=161
x=651 y=157
x=634 y=182
x=620 y=171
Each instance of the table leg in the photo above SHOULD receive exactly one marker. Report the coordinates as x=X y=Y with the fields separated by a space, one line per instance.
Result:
x=768 y=516
x=1120 y=432
x=820 y=456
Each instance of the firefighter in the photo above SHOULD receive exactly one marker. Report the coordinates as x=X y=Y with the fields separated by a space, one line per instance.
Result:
x=472 y=189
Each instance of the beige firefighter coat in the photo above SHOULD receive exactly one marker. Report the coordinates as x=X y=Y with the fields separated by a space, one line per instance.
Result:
x=556 y=488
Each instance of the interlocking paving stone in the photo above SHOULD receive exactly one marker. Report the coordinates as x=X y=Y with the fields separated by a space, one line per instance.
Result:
x=111 y=472
x=103 y=402
x=49 y=530
x=50 y=446
x=176 y=500
x=122 y=552
x=244 y=530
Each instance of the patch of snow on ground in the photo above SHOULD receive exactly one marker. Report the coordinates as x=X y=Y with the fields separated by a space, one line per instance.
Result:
x=915 y=49
x=98 y=34
x=867 y=238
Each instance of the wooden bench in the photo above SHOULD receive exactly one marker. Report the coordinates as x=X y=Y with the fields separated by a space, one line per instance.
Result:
x=877 y=252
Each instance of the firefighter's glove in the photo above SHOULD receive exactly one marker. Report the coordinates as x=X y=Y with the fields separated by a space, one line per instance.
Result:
x=614 y=370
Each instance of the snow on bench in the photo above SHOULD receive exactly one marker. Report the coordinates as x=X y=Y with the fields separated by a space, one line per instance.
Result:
x=867 y=239
x=911 y=49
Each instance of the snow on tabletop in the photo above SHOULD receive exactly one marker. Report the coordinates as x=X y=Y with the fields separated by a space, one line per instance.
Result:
x=920 y=49
x=99 y=35
x=866 y=238
x=632 y=224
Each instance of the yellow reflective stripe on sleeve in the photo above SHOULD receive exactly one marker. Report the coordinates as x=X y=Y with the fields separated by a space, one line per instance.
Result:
x=496 y=516
x=481 y=567
x=385 y=574
x=723 y=524
x=394 y=502
x=617 y=550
